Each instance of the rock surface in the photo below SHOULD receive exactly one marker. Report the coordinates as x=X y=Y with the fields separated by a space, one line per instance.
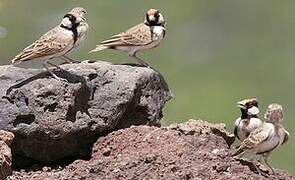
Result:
x=53 y=120
x=6 y=139
x=194 y=150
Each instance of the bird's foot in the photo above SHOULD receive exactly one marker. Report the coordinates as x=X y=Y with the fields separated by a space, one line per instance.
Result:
x=69 y=60
x=140 y=62
x=74 y=61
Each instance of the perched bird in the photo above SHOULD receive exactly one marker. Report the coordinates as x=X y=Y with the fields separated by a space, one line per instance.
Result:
x=58 y=41
x=143 y=36
x=249 y=120
x=266 y=138
x=274 y=114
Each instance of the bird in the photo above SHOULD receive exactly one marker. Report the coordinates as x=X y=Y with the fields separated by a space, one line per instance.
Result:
x=144 y=36
x=272 y=117
x=266 y=138
x=57 y=42
x=249 y=119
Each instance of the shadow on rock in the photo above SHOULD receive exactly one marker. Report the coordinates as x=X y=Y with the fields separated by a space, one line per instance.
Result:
x=63 y=74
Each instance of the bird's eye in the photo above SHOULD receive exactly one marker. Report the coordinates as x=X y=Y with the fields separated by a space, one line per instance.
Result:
x=71 y=17
x=249 y=105
x=255 y=103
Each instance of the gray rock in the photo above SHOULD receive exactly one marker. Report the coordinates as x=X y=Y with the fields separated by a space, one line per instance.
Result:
x=53 y=120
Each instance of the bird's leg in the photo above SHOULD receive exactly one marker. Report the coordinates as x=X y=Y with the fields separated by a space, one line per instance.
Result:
x=68 y=59
x=260 y=159
x=45 y=63
x=253 y=161
x=139 y=61
x=265 y=157
x=240 y=156
x=256 y=167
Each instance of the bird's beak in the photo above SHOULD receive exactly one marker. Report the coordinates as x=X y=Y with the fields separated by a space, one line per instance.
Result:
x=80 y=19
x=241 y=105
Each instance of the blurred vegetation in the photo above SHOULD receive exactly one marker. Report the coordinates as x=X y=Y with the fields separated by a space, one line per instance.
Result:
x=215 y=52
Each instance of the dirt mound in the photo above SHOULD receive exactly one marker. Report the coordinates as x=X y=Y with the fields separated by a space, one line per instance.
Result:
x=6 y=139
x=192 y=150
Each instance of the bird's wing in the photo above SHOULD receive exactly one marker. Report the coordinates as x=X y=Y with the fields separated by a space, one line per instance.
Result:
x=139 y=35
x=49 y=44
x=255 y=138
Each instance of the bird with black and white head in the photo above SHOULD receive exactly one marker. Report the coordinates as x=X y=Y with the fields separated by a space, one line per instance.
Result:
x=57 y=42
x=143 y=36
x=263 y=140
x=249 y=120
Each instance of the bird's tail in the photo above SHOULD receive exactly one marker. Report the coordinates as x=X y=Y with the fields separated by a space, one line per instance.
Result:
x=239 y=151
x=24 y=56
x=99 y=48
x=15 y=61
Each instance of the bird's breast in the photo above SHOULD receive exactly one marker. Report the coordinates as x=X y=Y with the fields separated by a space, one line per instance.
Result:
x=159 y=32
x=82 y=33
x=254 y=123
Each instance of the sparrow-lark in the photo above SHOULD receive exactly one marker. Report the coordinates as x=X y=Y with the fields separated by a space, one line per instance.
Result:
x=143 y=36
x=249 y=120
x=58 y=41
x=266 y=138
x=274 y=114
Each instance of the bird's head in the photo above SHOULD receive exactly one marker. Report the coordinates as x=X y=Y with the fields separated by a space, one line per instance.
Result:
x=74 y=17
x=274 y=113
x=249 y=106
x=154 y=18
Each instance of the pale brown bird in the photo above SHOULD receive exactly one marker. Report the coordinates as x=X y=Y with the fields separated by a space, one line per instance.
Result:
x=274 y=114
x=58 y=41
x=143 y=36
x=266 y=138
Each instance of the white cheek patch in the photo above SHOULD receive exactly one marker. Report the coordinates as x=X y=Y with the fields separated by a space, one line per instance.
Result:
x=66 y=22
x=152 y=18
x=158 y=30
x=253 y=110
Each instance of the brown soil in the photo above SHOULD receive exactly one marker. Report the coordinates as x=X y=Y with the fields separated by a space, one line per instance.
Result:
x=192 y=150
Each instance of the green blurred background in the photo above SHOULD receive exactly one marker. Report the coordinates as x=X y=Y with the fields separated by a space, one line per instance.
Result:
x=215 y=52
